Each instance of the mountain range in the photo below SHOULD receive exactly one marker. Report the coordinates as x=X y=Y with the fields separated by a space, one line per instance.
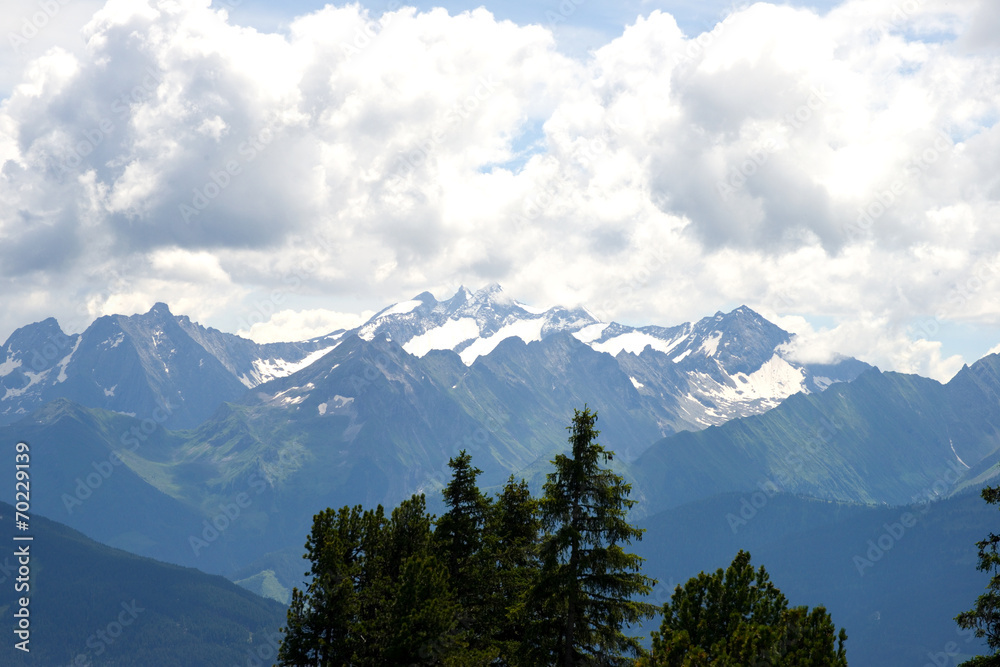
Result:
x=171 y=440
x=369 y=415
x=722 y=366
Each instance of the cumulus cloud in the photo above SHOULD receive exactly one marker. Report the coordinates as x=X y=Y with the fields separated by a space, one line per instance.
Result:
x=842 y=164
x=294 y=325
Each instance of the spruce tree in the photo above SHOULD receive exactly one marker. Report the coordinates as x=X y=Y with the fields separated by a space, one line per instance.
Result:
x=513 y=532
x=460 y=540
x=583 y=596
x=459 y=532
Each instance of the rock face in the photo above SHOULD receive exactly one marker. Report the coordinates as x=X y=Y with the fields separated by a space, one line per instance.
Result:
x=137 y=364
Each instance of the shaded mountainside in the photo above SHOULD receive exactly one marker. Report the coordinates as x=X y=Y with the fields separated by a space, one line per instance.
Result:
x=153 y=365
x=897 y=601
x=114 y=608
x=883 y=438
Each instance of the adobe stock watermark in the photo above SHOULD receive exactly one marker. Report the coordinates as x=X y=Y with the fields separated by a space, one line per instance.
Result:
x=760 y=154
x=697 y=46
x=900 y=14
x=562 y=13
x=541 y=198
x=366 y=33
x=220 y=179
x=663 y=591
x=120 y=109
x=635 y=281
x=471 y=444
x=752 y=504
x=413 y=158
x=265 y=654
x=951 y=652
x=105 y=468
x=229 y=512
x=893 y=533
x=959 y=295
x=888 y=195
x=99 y=642
x=32 y=25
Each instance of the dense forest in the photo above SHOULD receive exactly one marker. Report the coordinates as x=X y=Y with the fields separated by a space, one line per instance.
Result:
x=523 y=581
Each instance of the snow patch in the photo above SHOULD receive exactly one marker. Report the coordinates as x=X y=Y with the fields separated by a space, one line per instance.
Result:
x=775 y=380
x=401 y=308
x=444 y=337
x=530 y=309
x=711 y=345
x=636 y=383
x=33 y=379
x=269 y=369
x=8 y=366
x=62 y=377
x=526 y=330
x=823 y=382
x=680 y=357
x=956 y=454
x=110 y=392
x=634 y=342
x=322 y=409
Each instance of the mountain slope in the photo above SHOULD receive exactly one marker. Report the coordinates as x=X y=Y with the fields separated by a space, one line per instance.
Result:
x=114 y=608
x=897 y=608
x=884 y=438
x=139 y=365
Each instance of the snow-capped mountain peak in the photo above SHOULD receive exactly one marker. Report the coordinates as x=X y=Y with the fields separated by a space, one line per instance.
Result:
x=469 y=323
x=732 y=361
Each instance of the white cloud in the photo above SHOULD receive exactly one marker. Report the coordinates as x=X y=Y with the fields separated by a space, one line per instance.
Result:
x=843 y=165
x=291 y=325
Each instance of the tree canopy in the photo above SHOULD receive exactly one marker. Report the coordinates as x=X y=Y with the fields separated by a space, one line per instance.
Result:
x=518 y=581
x=737 y=617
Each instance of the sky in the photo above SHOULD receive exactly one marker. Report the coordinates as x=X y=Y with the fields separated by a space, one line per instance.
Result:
x=282 y=170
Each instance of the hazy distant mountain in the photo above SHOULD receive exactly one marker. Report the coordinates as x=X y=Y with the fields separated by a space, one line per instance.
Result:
x=897 y=607
x=883 y=438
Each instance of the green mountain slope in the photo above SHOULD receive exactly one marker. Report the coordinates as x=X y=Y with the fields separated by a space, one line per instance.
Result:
x=115 y=608
x=883 y=438
x=895 y=588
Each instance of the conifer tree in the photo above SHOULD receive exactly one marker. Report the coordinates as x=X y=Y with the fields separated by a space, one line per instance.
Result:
x=583 y=596
x=738 y=617
x=460 y=539
x=321 y=626
x=378 y=594
x=513 y=532
x=459 y=532
x=424 y=616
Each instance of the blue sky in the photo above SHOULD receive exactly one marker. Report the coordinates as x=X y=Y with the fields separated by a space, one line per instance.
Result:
x=580 y=25
x=283 y=169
